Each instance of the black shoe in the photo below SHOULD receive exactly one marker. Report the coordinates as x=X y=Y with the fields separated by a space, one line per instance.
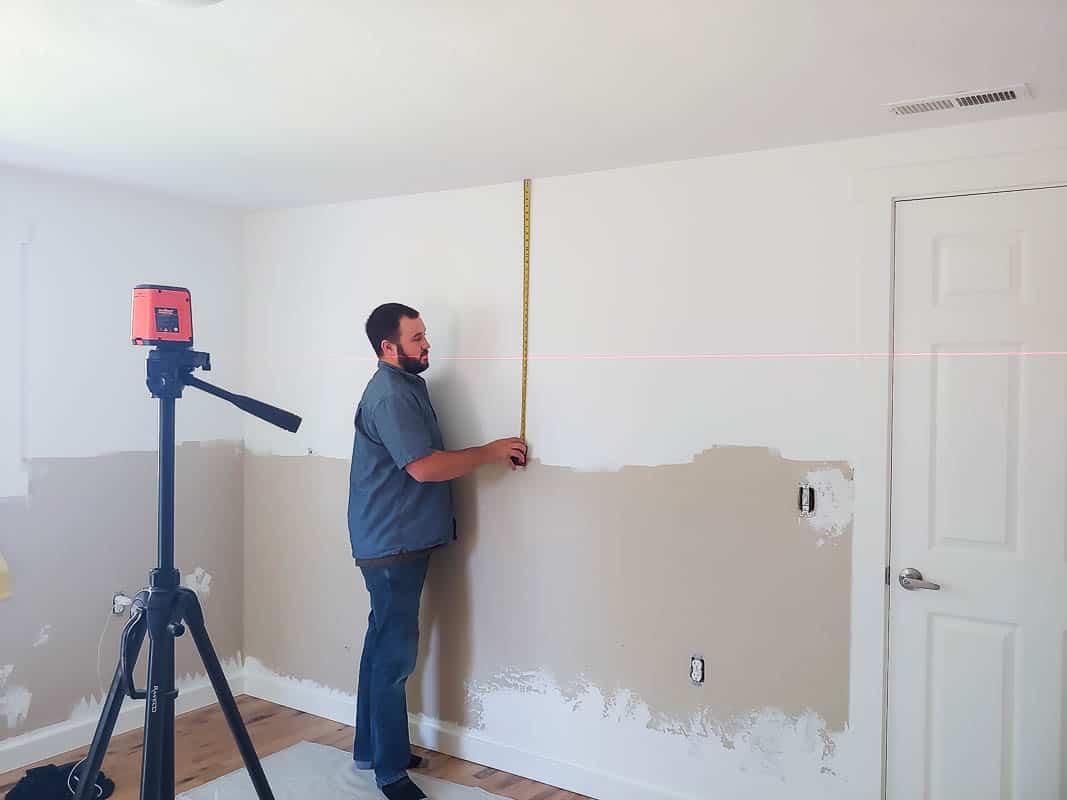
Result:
x=403 y=789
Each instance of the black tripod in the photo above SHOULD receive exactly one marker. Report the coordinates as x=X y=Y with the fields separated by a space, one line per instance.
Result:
x=165 y=608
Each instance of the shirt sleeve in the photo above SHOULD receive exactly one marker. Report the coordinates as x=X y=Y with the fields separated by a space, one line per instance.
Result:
x=401 y=425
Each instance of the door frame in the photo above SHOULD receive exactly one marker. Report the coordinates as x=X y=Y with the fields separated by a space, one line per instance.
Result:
x=878 y=192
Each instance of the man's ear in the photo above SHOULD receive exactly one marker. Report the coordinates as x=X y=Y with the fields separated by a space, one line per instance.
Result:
x=386 y=345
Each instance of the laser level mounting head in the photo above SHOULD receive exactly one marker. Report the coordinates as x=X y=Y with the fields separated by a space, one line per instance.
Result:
x=162 y=316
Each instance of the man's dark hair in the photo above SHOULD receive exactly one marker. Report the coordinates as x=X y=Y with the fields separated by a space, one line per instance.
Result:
x=384 y=323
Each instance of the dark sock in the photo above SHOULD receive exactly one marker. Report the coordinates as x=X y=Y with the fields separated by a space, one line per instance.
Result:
x=403 y=789
x=416 y=762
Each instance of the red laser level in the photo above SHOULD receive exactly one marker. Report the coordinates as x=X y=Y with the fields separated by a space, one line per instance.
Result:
x=162 y=316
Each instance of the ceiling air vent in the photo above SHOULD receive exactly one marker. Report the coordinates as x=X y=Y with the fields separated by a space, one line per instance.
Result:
x=960 y=100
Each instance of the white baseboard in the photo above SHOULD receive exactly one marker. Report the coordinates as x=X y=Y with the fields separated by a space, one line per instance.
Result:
x=454 y=741
x=300 y=695
x=53 y=740
x=443 y=737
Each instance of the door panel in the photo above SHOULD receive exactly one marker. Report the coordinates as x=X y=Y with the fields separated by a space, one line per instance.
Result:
x=976 y=679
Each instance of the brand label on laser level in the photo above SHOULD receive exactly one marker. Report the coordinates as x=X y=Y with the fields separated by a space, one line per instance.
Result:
x=167 y=320
x=155 y=699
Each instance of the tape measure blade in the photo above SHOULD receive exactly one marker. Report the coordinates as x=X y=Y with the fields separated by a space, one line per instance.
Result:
x=525 y=299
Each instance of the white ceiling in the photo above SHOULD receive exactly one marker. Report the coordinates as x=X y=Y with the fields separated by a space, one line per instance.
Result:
x=270 y=103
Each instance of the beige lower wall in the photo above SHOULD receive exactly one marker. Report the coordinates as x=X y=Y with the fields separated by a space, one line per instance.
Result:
x=305 y=605
x=88 y=529
x=612 y=579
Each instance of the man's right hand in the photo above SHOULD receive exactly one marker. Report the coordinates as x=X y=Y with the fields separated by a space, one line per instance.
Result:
x=502 y=451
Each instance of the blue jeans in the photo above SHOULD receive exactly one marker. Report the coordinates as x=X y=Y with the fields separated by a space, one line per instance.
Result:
x=390 y=650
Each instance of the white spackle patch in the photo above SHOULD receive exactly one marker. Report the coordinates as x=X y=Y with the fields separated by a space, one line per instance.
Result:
x=89 y=708
x=199 y=581
x=833 y=503
x=14 y=700
x=762 y=755
x=232 y=668
x=254 y=668
x=43 y=636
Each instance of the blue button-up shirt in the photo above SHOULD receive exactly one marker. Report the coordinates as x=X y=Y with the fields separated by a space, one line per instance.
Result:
x=389 y=512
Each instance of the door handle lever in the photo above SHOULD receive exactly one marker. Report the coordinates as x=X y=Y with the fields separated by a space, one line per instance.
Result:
x=911 y=579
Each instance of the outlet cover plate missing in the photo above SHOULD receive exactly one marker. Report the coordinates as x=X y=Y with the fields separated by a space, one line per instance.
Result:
x=696 y=670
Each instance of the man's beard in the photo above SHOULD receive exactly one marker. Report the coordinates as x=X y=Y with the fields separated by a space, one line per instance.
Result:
x=411 y=365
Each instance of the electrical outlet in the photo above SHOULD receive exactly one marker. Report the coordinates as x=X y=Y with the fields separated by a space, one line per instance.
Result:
x=120 y=602
x=696 y=670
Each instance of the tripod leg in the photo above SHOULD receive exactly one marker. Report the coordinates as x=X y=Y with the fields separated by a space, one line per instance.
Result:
x=167 y=774
x=108 y=717
x=158 y=761
x=194 y=618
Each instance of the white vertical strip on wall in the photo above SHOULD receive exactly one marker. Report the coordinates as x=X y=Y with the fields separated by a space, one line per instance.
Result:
x=13 y=342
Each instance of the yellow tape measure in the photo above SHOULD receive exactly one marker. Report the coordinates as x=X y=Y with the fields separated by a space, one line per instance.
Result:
x=525 y=297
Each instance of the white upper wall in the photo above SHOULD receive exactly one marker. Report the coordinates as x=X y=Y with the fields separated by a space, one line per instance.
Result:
x=71 y=252
x=737 y=255
x=314 y=275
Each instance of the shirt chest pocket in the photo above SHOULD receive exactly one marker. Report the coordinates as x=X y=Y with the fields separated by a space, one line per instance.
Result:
x=432 y=423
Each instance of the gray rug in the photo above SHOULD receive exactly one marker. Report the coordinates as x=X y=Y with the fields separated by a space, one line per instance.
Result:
x=308 y=770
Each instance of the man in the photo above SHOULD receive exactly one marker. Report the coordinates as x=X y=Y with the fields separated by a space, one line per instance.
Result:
x=399 y=510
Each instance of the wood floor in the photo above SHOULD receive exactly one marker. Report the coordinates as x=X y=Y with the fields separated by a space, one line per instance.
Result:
x=205 y=751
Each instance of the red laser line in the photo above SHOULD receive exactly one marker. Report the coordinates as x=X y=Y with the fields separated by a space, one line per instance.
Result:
x=756 y=356
x=739 y=356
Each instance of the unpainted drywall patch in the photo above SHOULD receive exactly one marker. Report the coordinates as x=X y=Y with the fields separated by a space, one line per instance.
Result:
x=43 y=636
x=199 y=581
x=14 y=700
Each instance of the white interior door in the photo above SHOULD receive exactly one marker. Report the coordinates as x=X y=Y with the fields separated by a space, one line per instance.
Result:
x=976 y=676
